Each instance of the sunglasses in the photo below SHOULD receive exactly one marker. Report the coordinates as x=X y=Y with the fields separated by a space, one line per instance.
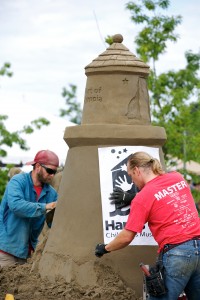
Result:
x=49 y=170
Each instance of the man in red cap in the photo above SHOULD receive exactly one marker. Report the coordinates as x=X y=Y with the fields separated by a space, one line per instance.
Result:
x=27 y=198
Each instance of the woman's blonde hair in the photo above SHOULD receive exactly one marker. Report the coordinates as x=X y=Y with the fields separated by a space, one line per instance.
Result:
x=144 y=160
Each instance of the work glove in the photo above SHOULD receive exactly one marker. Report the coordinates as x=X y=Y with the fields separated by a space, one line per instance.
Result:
x=49 y=217
x=100 y=250
x=121 y=198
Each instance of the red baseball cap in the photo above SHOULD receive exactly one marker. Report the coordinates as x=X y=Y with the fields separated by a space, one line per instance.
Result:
x=45 y=157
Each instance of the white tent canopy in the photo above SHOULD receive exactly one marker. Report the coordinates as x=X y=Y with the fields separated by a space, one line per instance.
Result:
x=48 y=137
x=191 y=166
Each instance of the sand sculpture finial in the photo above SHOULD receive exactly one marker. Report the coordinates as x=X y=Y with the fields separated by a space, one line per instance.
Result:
x=118 y=38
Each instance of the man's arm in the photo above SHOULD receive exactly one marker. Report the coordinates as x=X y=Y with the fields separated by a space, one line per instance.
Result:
x=20 y=204
x=123 y=239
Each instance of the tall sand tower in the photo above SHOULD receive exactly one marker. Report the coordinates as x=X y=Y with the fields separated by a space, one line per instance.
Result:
x=116 y=112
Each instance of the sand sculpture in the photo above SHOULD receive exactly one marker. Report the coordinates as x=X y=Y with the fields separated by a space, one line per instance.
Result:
x=116 y=112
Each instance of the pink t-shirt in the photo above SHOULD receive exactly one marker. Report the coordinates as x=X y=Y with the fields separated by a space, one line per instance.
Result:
x=166 y=203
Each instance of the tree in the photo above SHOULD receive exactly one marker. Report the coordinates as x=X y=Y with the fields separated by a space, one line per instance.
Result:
x=171 y=92
x=5 y=70
x=8 y=138
x=3 y=181
x=174 y=110
x=73 y=111
x=152 y=39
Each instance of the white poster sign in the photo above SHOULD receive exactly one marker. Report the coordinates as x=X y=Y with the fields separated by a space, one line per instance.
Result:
x=113 y=173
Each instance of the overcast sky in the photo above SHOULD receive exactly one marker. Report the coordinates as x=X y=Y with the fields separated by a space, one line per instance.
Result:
x=49 y=43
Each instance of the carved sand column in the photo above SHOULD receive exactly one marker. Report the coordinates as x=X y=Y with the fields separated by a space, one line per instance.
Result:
x=116 y=112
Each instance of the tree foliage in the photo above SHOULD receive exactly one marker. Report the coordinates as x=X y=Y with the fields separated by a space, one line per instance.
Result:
x=5 y=70
x=158 y=29
x=109 y=40
x=8 y=139
x=174 y=94
x=3 y=181
x=73 y=110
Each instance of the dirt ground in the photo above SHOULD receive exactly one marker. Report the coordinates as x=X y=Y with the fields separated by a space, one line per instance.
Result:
x=24 y=282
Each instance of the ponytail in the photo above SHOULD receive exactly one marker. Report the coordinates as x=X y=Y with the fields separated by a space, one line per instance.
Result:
x=144 y=160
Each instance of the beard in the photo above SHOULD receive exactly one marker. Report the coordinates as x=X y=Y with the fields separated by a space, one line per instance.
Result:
x=43 y=179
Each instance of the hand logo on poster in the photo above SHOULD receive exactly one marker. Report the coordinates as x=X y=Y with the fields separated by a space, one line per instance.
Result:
x=123 y=183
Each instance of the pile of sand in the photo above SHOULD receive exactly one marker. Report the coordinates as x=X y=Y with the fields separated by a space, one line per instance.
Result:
x=24 y=282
